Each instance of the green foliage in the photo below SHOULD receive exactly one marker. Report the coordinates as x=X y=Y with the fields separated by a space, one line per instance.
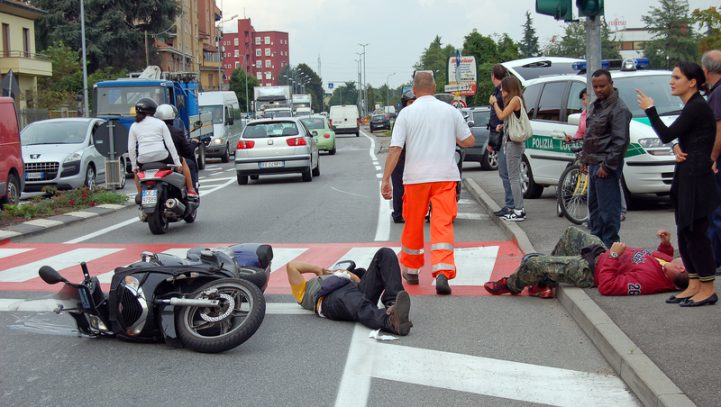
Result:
x=674 y=39
x=67 y=80
x=344 y=95
x=57 y=203
x=573 y=43
x=709 y=20
x=435 y=58
x=528 y=46
x=237 y=85
x=314 y=87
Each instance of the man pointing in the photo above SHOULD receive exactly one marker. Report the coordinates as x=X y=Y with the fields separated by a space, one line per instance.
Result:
x=429 y=130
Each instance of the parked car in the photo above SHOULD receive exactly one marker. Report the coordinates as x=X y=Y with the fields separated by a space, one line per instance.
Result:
x=380 y=122
x=11 y=158
x=554 y=109
x=345 y=119
x=276 y=146
x=478 y=118
x=61 y=153
x=322 y=133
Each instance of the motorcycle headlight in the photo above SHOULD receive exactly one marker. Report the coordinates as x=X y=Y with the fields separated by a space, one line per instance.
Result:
x=132 y=282
x=76 y=156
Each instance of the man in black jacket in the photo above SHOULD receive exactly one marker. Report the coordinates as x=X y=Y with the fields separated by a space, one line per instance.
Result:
x=184 y=147
x=495 y=140
x=605 y=143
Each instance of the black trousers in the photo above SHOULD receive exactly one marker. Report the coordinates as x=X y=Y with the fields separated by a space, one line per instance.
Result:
x=696 y=250
x=397 y=181
x=357 y=303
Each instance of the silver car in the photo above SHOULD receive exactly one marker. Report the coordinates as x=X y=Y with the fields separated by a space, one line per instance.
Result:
x=61 y=153
x=276 y=146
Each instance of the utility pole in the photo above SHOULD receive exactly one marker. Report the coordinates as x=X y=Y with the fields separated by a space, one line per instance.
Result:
x=247 y=102
x=360 y=91
x=365 y=78
x=593 y=52
x=86 y=111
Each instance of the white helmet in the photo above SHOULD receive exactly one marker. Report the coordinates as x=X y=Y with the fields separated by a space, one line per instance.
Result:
x=165 y=112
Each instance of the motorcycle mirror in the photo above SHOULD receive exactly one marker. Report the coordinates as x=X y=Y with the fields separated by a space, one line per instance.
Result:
x=50 y=275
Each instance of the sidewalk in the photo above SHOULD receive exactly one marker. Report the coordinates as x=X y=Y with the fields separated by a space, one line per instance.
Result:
x=668 y=355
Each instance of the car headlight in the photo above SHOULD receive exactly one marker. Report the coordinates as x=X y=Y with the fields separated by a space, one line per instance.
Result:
x=76 y=156
x=218 y=141
x=650 y=142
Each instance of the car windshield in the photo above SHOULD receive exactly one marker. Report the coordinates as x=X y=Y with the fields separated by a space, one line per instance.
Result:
x=54 y=133
x=655 y=86
x=216 y=111
x=314 y=124
x=481 y=119
x=274 y=129
x=121 y=100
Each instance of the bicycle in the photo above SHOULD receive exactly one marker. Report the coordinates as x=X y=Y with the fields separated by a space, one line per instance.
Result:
x=572 y=191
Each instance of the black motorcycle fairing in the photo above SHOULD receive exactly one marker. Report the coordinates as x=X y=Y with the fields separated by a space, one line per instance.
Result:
x=167 y=325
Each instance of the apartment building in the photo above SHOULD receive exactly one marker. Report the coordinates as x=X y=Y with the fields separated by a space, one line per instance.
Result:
x=17 y=50
x=262 y=54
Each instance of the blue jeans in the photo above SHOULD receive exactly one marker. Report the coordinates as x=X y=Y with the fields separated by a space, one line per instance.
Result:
x=503 y=173
x=714 y=228
x=604 y=204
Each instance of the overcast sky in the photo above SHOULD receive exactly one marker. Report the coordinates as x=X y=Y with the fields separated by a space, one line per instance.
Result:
x=398 y=31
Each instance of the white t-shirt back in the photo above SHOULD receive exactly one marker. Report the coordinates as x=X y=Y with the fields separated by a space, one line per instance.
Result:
x=428 y=130
x=154 y=141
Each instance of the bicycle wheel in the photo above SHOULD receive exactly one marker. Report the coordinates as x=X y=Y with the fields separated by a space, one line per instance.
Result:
x=572 y=194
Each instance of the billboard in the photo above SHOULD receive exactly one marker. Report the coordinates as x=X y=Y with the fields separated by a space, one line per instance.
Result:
x=462 y=75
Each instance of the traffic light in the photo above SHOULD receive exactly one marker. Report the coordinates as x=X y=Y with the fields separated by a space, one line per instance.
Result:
x=558 y=9
x=589 y=8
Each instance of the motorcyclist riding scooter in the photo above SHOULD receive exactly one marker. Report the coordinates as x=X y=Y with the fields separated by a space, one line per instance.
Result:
x=184 y=146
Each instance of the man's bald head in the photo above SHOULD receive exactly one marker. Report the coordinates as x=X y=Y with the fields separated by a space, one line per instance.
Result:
x=424 y=84
x=711 y=61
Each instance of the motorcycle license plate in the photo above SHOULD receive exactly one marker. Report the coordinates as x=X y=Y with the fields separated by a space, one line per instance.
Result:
x=272 y=164
x=150 y=173
x=150 y=197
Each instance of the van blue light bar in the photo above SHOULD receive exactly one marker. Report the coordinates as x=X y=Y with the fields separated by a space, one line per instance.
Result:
x=583 y=65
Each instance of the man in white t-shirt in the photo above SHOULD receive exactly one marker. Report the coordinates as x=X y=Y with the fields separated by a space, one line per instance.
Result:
x=429 y=130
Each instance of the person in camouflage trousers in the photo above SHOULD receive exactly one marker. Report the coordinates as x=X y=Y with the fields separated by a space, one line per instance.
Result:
x=581 y=259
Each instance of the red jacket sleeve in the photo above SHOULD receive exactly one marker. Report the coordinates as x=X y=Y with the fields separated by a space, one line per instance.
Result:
x=635 y=272
x=610 y=281
x=667 y=249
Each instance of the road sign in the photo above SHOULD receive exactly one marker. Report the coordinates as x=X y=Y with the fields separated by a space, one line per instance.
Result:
x=330 y=85
x=462 y=70
x=464 y=88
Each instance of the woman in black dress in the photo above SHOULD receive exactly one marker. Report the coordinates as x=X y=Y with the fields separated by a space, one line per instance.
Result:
x=693 y=191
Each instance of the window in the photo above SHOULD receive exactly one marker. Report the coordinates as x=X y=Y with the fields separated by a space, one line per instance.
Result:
x=260 y=76
x=258 y=64
x=267 y=52
x=575 y=104
x=267 y=40
x=258 y=52
x=269 y=75
x=237 y=65
x=530 y=98
x=549 y=107
x=236 y=53
x=26 y=41
x=6 y=40
x=267 y=63
x=257 y=40
x=235 y=41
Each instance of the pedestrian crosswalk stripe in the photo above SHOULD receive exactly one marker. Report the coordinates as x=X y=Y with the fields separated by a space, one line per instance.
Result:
x=362 y=256
x=11 y=252
x=64 y=260
x=474 y=265
x=281 y=256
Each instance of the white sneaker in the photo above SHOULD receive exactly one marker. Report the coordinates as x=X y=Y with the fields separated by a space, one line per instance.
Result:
x=517 y=215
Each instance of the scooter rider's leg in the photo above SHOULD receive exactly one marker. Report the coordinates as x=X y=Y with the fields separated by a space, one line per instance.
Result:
x=188 y=177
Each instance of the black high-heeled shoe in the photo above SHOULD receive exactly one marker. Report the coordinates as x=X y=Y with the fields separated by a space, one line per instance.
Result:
x=675 y=300
x=711 y=300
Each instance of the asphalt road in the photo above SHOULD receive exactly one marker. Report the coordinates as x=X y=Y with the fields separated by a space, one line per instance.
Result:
x=463 y=350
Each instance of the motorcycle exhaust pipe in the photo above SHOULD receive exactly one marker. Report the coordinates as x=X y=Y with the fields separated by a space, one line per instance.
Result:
x=175 y=206
x=190 y=302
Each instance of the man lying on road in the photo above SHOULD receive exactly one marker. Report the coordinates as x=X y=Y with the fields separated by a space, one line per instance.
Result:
x=581 y=259
x=352 y=296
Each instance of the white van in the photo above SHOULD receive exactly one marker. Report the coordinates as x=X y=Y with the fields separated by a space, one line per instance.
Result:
x=345 y=119
x=554 y=109
x=227 y=125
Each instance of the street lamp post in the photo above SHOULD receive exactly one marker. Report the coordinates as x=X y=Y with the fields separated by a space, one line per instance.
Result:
x=365 y=79
x=387 y=78
x=86 y=112
x=220 y=56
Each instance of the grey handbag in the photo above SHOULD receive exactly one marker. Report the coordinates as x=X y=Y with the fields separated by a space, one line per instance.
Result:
x=519 y=128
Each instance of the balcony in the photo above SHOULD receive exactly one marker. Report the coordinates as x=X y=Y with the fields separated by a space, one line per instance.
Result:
x=211 y=60
x=25 y=63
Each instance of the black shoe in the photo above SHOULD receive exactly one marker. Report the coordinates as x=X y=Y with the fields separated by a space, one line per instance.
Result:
x=675 y=300
x=399 y=314
x=713 y=299
x=399 y=220
x=502 y=212
x=442 y=287
x=411 y=278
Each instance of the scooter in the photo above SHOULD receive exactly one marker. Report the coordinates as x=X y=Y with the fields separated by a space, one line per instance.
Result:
x=210 y=302
x=164 y=198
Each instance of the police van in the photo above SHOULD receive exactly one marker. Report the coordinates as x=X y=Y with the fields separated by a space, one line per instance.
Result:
x=554 y=108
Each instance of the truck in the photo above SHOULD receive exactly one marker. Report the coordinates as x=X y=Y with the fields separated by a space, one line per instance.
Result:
x=302 y=103
x=115 y=100
x=270 y=97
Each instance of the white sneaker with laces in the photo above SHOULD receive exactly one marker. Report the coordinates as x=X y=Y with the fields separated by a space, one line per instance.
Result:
x=517 y=215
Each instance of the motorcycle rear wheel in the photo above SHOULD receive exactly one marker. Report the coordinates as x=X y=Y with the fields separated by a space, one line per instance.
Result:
x=157 y=222
x=213 y=330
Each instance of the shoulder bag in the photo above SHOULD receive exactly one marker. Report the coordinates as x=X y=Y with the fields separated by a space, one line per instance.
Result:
x=519 y=128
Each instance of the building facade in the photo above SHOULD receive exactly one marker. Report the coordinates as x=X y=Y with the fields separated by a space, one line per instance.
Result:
x=262 y=54
x=17 y=51
x=632 y=41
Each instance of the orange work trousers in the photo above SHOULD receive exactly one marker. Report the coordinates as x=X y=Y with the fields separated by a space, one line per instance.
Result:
x=442 y=197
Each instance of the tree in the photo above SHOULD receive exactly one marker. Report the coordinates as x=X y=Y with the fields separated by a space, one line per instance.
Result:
x=435 y=58
x=573 y=42
x=673 y=36
x=487 y=53
x=710 y=20
x=347 y=94
x=529 y=44
x=66 y=83
x=114 y=30
x=508 y=49
x=237 y=85
x=313 y=87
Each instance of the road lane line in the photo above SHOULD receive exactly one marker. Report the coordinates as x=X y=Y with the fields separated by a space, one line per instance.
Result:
x=135 y=219
x=29 y=271
x=383 y=227
x=362 y=256
x=474 y=265
x=355 y=382
x=11 y=252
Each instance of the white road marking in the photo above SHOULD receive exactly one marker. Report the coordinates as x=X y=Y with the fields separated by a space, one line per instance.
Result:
x=467 y=202
x=356 y=380
x=383 y=227
x=72 y=258
x=135 y=219
x=362 y=256
x=11 y=252
x=474 y=265
x=281 y=256
x=472 y=216
x=349 y=193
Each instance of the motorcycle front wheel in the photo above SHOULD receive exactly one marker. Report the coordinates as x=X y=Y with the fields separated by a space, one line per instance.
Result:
x=217 y=329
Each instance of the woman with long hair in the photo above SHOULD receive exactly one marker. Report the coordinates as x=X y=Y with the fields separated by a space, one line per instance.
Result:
x=693 y=190
x=513 y=102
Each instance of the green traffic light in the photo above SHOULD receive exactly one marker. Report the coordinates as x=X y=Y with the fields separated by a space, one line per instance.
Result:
x=558 y=9
x=589 y=8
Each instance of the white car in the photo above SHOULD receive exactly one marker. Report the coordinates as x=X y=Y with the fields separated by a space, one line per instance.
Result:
x=61 y=153
x=554 y=109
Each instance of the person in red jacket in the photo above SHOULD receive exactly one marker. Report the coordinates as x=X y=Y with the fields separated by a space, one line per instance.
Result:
x=581 y=259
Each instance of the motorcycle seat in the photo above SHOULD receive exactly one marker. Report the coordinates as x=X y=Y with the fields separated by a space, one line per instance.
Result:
x=155 y=166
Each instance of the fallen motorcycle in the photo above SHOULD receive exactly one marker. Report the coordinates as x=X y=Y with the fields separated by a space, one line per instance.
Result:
x=211 y=301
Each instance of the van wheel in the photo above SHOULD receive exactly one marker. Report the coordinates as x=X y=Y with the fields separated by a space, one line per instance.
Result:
x=530 y=189
x=12 y=193
x=226 y=155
